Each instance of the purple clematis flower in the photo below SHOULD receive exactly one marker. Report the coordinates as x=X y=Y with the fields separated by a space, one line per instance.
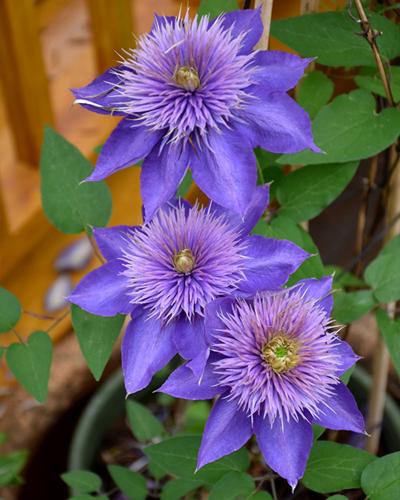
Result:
x=165 y=272
x=275 y=365
x=195 y=93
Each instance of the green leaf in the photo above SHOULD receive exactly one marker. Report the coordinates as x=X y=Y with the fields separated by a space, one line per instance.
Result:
x=373 y=83
x=185 y=185
x=178 y=488
x=69 y=204
x=383 y=274
x=232 y=486
x=144 y=425
x=342 y=279
x=314 y=90
x=381 y=479
x=332 y=38
x=215 y=7
x=10 y=310
x=196 y=416
x=10 y=467
x=337 y=497
x=320 y=185
x=96 y=336
x=349 y=306
x=333 y=467
x=131 y=483
x=177 y=456
x=390 y=330
x=30 y=363
x=283 y=228
x=349 y=129
x=82 y=481
x=347 y=375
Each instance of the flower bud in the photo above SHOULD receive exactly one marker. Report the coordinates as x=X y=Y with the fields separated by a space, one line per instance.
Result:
x=187 y=77
x=184 y=261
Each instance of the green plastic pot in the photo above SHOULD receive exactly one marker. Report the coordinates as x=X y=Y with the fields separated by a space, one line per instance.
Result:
x=108 y=405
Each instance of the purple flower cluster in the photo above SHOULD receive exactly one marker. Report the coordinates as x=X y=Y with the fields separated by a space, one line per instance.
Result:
x=194 y=93
x=165 y=272
x=275 y=367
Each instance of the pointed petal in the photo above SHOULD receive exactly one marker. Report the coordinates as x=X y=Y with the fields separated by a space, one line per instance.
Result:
x=111 y=240
x=245 y=21
x=182 y=383
x=162 y=172
x=211 y=320
x=280 y=125
x=278 y=71
x=226 y=171
x=270 y=263
x=189 y=338
x=254 y=210
x=285 y=446
x=345 y=354
x=227 y=429
x=318 y=289
x=146 y=348
x=343 y=413
x=103 y=291
x=127 y=144
x=101 y=94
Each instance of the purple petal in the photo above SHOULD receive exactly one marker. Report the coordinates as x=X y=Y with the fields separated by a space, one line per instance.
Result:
x=280 y=125
x=162 y=171
x=101 y=95
x=127 y=144
x=257 y=206
x=212 y=321
x=318 y=289
x=189 y=338
x=279 y=71
x=227 y=429
x=345 y=354
x=111 y=240
x=146 y=348
x=343 y=413
x=226 y=171
x=245 y=21
x=270 y=263
x=285 y=446
x=182 y=383
x=103 y=291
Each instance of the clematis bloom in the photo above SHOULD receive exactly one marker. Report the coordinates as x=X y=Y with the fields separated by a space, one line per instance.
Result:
x=195 y=93
x=275 y=365
x=165 y=272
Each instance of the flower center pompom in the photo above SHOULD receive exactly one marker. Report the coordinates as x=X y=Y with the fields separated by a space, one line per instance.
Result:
x=277 y=355
x=186 y=77
x=181 y=260
x=281 y=353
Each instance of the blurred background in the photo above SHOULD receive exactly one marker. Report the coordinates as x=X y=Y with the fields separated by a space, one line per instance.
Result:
x=48 y=47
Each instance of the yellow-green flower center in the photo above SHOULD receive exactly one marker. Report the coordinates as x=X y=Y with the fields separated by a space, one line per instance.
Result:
x=184 y=261
x=187 y=77
x=281 y=353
